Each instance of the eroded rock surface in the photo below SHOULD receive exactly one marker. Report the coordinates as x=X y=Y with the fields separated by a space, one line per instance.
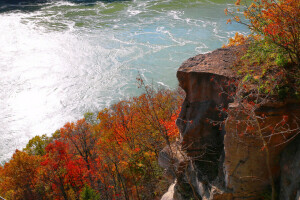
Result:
x=246 y=166
x=216 y=163
x=290 y=171
x=200 y=174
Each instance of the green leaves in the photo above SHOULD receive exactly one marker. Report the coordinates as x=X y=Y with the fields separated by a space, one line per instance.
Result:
x=36 y=146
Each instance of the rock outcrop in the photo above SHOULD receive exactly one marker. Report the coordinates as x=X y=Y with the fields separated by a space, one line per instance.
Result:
x=290 y=171
x=211 y=161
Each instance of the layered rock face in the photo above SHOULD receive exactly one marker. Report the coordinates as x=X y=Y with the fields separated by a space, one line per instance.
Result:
x=290 y=171
x=211 y=161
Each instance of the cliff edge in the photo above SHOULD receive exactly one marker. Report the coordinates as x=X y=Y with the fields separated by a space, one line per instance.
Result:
x=212 y=160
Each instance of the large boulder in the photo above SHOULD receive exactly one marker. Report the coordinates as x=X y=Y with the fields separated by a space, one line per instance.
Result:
x=199 y=174
x=217 y=163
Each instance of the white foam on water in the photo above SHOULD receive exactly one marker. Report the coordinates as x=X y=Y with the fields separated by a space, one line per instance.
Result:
x=63 y=59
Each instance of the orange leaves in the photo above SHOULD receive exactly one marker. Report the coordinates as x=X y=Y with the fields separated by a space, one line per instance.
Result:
x=237 y=18
x=120 y=152
x=238 y=2
x=226 y=11
x=171 y=127
x=276 y=21
x=18 y=176
x=238 y=39
x=141 y=117
x=133 y=131
x=253 y=5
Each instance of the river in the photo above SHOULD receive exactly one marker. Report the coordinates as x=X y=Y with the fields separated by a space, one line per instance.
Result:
x=61 y=59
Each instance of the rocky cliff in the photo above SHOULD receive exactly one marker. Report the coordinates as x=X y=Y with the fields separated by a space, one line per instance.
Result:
x=211 y=161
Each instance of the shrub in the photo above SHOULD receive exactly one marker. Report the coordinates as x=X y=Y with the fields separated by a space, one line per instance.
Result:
x=278 y=22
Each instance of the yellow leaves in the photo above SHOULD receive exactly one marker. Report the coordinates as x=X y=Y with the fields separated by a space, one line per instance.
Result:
x=149 y=154
x=238 y=39
x=228 y=21
x=140 y=165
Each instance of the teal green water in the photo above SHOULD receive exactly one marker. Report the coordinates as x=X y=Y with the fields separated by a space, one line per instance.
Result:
x=61 y=59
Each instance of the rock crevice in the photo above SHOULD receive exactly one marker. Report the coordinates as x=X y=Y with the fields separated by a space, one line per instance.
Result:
x=213 y=163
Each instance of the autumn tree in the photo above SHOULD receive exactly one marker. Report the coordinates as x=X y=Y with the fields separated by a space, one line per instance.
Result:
x=82 y=140
x=111 y=157
x=37 y=145
x=266 y=73
x=277 y=22
x=137 y=129
x=61 y=172
x=18 y=176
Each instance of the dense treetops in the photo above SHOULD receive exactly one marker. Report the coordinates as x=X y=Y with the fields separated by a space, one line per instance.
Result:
x=111 y=157
x=115 y=155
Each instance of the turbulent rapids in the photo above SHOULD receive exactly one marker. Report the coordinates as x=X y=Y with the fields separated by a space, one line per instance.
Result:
x=61 y=59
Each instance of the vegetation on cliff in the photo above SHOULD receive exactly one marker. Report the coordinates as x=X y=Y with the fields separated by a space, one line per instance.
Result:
x=273 y=23
x=114 y=156
x=268 y=74
x=272 y=57
x=273 y=54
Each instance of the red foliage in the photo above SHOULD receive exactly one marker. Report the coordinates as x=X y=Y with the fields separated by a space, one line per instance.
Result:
x=61 y=170
x=116 y=157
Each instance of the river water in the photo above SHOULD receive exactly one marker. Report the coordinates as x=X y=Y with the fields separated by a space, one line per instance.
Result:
x=61 y=59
